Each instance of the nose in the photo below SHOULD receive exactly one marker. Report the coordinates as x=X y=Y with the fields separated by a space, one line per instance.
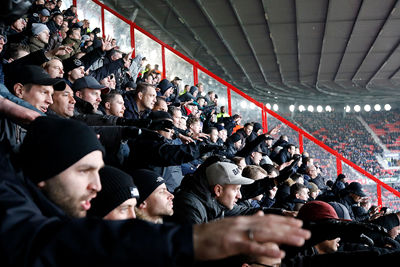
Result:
x=123 y=107
x=95 y=184
x=49 y=99
x=238 y=195
x=170 y=196
x=61 y=71
x=132 y=213
x=72 y=99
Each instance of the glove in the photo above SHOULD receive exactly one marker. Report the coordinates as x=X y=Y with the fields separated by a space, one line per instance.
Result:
x=141 y=123
x=209 y=148
x=130 y=132
x=348 y=231
x=163 y=125
x=286 y=172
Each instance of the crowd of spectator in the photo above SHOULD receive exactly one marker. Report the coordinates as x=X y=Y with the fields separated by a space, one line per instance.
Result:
x=386 y=125
x=346 y=135
x=106 y=163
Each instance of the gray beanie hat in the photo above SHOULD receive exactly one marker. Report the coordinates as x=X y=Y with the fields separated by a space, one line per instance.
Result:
x=37 y=28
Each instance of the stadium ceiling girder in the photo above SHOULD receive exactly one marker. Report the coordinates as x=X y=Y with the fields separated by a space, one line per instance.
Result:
x=315 y=50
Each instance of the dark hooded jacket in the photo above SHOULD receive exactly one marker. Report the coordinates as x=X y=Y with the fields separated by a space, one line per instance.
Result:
x=194 y=202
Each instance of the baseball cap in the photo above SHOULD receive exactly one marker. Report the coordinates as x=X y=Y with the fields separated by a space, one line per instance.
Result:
x=88 y=82
x=226 y=173
x=356 y=188
x=33 y=74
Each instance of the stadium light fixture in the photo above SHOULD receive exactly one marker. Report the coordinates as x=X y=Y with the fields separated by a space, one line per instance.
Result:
x=367 y=108
x=252 y=106
x=291 y=108
x=310 y=108
x=347 y=108
x=328 y=108
x=275 y=107
x=377 y=107
x=268 y=105
x=243 y=104
x=387 y=107
x=302 y=108
x=320 y=108
x=357 y=108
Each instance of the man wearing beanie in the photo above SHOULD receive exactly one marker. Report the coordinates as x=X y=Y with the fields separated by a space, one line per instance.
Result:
x=118 y=196
x=63 y=157
x=155 y=201
x=40 y=37
x=60 y=161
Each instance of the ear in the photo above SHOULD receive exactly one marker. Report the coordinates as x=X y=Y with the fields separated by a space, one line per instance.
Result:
x=41 y=184
x=253 y=154
x=218 y=190
x=78 y=94
x=140 y=95
x=143 y=205
x=107 y=105
x=18 y=90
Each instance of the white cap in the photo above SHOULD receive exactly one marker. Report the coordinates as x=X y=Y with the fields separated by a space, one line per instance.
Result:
x=223 y=173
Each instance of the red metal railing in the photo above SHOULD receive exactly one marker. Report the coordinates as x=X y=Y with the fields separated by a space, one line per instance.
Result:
x=265 y=112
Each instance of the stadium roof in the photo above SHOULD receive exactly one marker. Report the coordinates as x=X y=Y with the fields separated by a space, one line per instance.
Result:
x=305 y=50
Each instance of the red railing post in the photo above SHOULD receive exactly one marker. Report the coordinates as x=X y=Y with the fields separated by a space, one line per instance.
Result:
x=229 y=101
x=103 y=23
x=164 y=72
x=301 y=145
x=195 y=73
x=379 y=193
x=338 y=166
x=74 y=2
x=133 y=40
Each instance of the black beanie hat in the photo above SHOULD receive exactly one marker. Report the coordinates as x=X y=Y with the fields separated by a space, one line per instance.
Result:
x=234 y=137
x=117 y=187
x=52 y=145
x=146 y=181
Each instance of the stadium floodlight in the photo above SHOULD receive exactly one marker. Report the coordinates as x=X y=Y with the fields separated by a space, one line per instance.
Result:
x=268 y=105
x=320 y=108
x=347 y=108
x=243 y=104
x=357 y=108
x=310 y=108
x=302 y=108
x=377 y=107
x=328 y=108
x=291 y=108
x=367 y=108
x=252 y=106
x=222 y=101
x=275 y=107
x=387 y=107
